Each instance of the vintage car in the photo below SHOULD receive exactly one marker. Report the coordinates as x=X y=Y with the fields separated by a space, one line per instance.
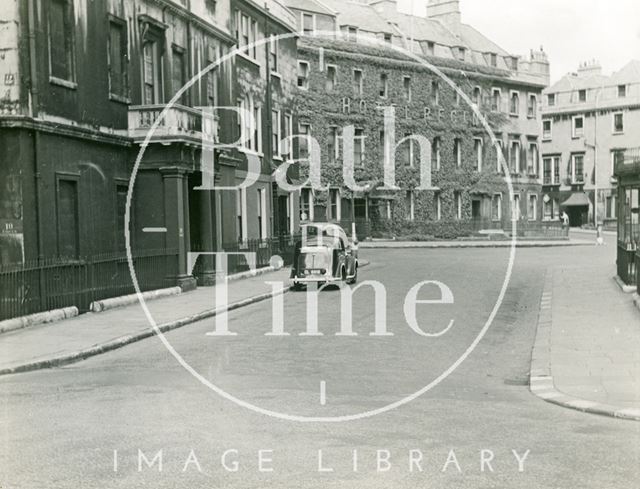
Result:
x=324 y=256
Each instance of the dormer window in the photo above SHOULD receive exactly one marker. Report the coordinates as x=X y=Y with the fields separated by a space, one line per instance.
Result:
x=460 y=51
x=308 y=24
x=582 y=95
x=622 y=91
x=352 y=33
x=388 y=38
x=430 y=48
x=493 y=59
x=551 y=99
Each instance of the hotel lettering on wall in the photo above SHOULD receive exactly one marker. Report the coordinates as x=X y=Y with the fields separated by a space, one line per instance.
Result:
x=406 y=112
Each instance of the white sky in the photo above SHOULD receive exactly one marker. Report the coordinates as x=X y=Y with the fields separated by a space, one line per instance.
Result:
x=571 y=31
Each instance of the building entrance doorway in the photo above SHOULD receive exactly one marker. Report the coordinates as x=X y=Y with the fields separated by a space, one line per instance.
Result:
x=578 y=215
x=476 y=209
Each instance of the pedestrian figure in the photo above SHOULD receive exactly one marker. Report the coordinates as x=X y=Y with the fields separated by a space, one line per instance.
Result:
x=599 y=236
x=565 y=219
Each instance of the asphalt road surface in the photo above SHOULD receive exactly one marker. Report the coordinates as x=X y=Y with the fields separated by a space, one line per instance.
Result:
x=97 y=423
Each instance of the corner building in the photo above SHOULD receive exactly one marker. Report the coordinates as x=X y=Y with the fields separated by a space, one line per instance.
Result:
x=84 y=83
x=591 y=123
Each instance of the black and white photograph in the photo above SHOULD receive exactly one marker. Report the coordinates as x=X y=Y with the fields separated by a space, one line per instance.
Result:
x=319 y=244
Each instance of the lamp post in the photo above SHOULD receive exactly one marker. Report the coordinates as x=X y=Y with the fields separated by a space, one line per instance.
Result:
x=595 y=159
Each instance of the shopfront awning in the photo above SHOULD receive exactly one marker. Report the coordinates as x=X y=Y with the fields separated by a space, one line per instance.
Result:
x=577 y=199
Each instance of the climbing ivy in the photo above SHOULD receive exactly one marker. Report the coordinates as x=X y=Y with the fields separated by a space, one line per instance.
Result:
x=450 y=119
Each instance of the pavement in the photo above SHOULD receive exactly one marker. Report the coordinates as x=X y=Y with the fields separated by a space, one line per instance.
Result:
x=585 y=240
x=70 y=340
x=587 y=350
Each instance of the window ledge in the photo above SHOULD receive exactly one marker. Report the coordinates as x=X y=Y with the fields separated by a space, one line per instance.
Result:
x=617 y=133
x=63 y=83
x=276 y=74
x=248 y=58
x=248 y=151
x=119 y=98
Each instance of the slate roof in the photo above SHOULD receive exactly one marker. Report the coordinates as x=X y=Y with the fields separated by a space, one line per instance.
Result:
x=424 y=29
x=630 y=73
x=477 y=41
x=572 y=81
x=309 y=6
x=359 y=15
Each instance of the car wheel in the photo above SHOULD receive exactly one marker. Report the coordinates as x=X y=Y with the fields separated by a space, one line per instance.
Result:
x=353 y=279
x=296 y=287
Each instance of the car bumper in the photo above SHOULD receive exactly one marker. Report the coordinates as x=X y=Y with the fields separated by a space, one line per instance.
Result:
x=307 y=279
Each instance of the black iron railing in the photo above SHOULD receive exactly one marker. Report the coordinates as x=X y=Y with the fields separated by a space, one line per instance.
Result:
x=627 y=262
x=263 y=249
x=42 y=285
x=637 y=274
x=539 y=229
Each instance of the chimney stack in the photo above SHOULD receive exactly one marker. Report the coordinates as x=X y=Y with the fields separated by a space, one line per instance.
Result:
x=590 y=68
x=448 y=11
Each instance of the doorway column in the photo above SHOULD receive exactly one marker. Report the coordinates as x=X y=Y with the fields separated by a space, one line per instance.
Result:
x=207 y=274
x=176 y=211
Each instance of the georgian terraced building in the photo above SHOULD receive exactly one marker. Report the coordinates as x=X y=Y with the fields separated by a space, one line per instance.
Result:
x=590 y=123
x=344 y=79
x=84 y=81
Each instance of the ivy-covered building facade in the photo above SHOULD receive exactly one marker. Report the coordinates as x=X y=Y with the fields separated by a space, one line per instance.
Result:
x=347 y=78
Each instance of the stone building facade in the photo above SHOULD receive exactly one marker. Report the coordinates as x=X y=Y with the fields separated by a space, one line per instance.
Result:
x=346 y=78
x=590 y=122
x=84 y=81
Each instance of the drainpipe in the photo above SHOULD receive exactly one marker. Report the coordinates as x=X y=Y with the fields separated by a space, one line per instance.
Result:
x=595 y=159
x=268 y=106
x=33 y=72
x=33 y=113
